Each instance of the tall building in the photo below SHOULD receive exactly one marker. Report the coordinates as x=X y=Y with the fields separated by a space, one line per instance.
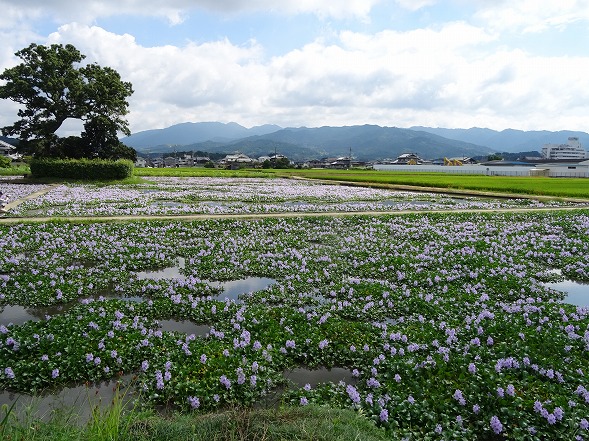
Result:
x=571 y=150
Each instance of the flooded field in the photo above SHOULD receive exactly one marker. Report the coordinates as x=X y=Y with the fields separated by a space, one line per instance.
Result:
x=464 y=316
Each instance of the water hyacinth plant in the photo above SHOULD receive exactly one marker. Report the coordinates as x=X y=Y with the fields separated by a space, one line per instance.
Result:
x=168 y=195
x=444 y=321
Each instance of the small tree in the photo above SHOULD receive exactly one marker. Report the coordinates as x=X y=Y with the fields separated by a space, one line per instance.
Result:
x=52 y=86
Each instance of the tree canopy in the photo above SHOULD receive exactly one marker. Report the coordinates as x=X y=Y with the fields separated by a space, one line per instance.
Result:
x=52 y=85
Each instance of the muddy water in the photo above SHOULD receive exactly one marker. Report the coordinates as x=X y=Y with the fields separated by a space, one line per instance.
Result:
x=185 y=326
x=80 y=400
x=303 y=376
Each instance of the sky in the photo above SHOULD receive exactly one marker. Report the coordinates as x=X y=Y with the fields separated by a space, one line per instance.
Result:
x=520 y=64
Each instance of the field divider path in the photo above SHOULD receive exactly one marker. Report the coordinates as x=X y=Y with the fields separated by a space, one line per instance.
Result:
x=34 y=195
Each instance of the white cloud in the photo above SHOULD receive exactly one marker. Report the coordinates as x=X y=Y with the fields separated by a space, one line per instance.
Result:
x=530 y=16
x=414 y=5
x=451 y=76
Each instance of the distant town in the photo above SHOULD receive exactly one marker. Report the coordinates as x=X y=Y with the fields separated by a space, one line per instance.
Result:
x=569 y=159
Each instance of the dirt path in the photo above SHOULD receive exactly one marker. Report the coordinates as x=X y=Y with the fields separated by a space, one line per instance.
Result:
x=34 y=195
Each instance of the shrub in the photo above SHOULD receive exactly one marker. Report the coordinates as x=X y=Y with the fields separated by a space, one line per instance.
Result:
x=85 y=169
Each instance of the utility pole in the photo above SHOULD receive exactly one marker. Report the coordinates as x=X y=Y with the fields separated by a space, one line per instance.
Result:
x=350 y=158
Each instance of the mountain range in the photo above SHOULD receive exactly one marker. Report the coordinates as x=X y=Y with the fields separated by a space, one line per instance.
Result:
x=364 y=142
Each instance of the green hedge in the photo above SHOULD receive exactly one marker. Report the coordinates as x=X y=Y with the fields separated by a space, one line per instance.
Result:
x=88 y=169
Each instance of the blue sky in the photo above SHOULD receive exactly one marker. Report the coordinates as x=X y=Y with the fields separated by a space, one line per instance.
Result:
x=499 y=64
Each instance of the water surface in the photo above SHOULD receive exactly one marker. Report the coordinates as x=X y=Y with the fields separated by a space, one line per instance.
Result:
x=577 y=293
x=313 y=377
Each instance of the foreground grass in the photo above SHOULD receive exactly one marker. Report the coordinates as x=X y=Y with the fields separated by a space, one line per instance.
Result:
x=286 y=423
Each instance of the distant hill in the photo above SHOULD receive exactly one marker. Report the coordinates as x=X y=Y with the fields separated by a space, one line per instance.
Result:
x=508 y=140
x=191 y=133
x=367 y=142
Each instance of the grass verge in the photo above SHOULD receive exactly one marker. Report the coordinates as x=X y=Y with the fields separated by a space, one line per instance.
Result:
x=309 y=423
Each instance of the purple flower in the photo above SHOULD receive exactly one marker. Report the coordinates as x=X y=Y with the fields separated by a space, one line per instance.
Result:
x=476 y=408
x=438 y=428
x=89 y=358
x=384 y=415
x=55 y=373
x=240 y=376
x=584 y=424
x=323 y=344
x=459 y=397
x=304 y=401
x=558 y=413
x=9 y=373
x=290 y=344
x=496 y=425
x=194 y=402
x=203 y=358
x=159 y=380
x=538 y=406
x=144 y=365
x=225 y=381
x=353 y=393
x=510 y=390
x=472 y=368
x=500 y=392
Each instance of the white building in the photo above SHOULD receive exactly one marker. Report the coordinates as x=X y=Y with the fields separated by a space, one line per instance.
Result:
x=6 y=149
x=140 y=162
x=571 y=150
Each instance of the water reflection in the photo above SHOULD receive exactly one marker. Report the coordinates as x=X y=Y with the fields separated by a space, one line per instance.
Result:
x=234 y=288
x=170 y=273
x=303 y=376
x=577 y=292
x=17 y=315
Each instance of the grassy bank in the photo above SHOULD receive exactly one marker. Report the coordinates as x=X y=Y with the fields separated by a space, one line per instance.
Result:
x=541 y=186
x=285 y=423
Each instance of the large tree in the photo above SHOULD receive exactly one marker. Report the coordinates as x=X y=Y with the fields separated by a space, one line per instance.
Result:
x=52 y=85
